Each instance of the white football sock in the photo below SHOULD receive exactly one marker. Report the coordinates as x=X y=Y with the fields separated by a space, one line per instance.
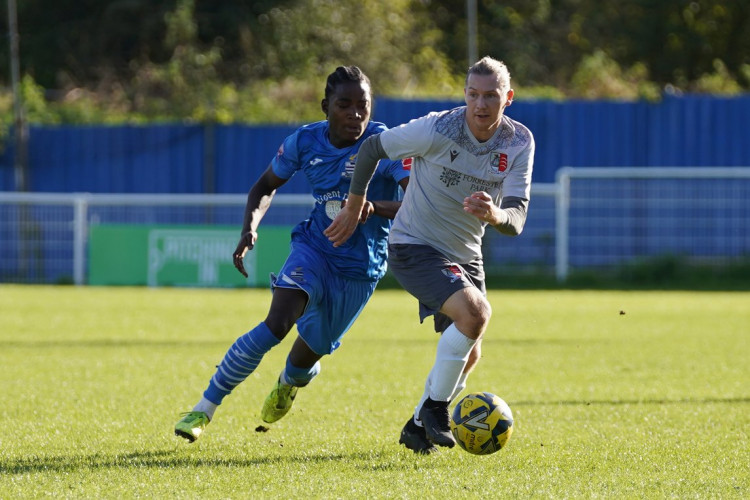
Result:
x=452 y=355
x=206 y=407
x=460 y=387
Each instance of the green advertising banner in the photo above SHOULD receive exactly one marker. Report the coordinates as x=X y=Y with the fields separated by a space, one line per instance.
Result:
x=181 y=255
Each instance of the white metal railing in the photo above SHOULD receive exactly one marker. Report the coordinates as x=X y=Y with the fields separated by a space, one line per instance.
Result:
x=82 y=203
x=592 y=216
x=84 y=208
x=729 y=194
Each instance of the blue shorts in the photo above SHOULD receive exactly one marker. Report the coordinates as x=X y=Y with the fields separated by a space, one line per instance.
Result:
x=334 y=302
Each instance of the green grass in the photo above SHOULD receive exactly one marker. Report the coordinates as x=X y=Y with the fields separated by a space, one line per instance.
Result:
x=651 y=403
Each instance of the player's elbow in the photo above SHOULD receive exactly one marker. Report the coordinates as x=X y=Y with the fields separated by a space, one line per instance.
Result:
x=509 y=229
x=514 y=220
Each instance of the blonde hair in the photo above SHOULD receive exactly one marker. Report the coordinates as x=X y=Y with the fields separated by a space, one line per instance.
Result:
x=490 y=66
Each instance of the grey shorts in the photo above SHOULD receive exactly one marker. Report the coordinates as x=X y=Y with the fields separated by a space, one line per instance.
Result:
x=431 y=277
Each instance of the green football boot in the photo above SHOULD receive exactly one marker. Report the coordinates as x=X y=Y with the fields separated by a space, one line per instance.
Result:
x=279 y=402
x=191 y=425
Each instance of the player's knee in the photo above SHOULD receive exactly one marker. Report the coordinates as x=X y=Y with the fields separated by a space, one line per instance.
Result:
x=287 y=306
x=279 y=324
x=484 y=311
x=475 y=317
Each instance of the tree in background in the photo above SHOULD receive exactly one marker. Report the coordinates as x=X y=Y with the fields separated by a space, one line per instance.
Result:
x=674 y=43
x=202 y=60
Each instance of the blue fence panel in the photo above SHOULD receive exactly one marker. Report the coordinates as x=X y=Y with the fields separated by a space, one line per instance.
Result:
x=580 y=133
x=695 y=131
x=699 y=131
x=243 y=152
x=121 y=159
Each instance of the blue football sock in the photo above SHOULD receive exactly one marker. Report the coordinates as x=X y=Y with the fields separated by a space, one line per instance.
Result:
x=241 y=360
x=299 y=377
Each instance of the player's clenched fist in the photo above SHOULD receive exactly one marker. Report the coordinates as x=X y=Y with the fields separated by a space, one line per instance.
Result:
x=480 y=205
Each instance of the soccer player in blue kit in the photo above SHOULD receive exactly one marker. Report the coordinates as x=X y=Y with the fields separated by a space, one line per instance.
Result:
x=320 y=287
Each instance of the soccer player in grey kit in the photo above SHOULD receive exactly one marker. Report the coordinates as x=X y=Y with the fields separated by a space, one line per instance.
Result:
x=471 y=168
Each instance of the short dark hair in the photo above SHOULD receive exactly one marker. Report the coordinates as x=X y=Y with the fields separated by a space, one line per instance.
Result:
x=490 y=66
x=344 y=74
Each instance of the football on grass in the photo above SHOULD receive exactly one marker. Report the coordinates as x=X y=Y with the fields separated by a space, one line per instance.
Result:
x=482 y=423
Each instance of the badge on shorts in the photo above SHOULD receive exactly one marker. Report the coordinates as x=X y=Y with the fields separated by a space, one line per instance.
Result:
x=453 y=273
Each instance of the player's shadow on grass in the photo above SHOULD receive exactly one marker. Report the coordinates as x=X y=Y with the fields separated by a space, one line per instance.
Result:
x=99 y=343
x=165 y=458
x=37 y=345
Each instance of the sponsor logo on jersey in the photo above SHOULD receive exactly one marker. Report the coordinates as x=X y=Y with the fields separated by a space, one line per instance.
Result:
x=454 y=155
x=452 y=272
x=349 y=167
x=315 y=161
x=498 y=161
x=330 y=195
x=407 y=162
x=450 y=177
x=281 y=150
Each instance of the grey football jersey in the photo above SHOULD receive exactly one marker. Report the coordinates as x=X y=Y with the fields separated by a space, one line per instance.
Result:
x=448 y=165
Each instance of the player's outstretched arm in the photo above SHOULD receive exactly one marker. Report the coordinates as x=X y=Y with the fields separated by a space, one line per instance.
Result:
x=345 y=223
x=258 y=200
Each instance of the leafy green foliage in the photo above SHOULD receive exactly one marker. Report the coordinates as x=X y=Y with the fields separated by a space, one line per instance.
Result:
x=264 y=61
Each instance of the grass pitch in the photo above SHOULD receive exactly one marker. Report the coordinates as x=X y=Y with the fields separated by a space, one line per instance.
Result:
x=614 y=394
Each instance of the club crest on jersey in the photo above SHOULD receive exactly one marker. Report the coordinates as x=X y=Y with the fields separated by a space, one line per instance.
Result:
x=281 y=150
x=498 y=161
x=453 y=273
x=349 y=167
x=333 y=207
x=407 y=162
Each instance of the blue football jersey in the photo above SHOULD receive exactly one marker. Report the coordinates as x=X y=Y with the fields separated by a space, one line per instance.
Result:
x=329 y=171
